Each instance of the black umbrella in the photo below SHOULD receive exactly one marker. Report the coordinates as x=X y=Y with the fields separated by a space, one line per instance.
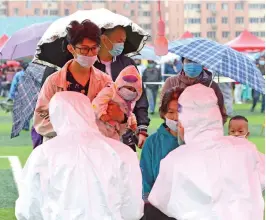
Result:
x=51 y=47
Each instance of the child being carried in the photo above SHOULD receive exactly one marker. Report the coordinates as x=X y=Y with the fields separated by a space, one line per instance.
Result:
x=125 y=91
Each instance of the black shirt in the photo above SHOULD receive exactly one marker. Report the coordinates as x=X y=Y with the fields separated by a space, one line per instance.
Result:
x=73 y=85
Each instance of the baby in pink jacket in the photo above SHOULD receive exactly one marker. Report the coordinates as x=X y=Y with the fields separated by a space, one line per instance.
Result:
x=125 y=91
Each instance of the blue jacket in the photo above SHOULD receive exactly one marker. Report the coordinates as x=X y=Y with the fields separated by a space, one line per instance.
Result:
x=14 y=84
x=168 y=69
x=156 y=147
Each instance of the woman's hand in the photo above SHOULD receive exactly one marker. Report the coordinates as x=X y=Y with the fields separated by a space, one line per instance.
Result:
x=134 y=127
x=115 y=112
x=142 y=139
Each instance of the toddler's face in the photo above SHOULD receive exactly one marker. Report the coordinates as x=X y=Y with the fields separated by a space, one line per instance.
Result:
x=238 y=128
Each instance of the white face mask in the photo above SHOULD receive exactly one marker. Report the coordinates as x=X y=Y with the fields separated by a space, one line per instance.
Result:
x=171 y=124
x=85 y=61
x=242 y=136
x=262 y=62
x=127 y=94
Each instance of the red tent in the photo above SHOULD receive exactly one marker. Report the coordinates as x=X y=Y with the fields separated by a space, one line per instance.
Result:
x=247 y=42
x=3 y=39
x=187 y=34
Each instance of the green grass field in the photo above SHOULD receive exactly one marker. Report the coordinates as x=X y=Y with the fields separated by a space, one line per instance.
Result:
x=21 y=147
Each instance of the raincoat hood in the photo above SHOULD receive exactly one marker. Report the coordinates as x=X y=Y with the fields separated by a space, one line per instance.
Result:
x=212 y=176
x=79 y=174
x=199 y=113
x=130 y=76
x=71 y=111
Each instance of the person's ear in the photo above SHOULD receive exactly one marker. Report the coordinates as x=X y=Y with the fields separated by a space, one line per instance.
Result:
x=106 y=42
x=103 y=38
x=248 y=134
x=71 y=49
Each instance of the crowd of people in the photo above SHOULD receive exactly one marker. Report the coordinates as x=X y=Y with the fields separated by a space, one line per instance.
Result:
x=91 y=115
x=7 y=73
x=243 y=93
x=233 y=93
x=10 y=77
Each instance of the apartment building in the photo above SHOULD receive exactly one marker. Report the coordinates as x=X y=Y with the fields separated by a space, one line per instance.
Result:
x=218 y=20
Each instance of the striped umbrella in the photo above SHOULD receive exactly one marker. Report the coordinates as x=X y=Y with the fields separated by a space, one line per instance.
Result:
x=221 y=59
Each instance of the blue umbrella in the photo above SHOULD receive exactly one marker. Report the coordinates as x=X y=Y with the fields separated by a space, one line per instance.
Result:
x=147 y=53
x=221 y=59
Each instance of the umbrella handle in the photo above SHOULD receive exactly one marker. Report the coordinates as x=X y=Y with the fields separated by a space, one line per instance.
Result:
x=1 y=60
x=13 y=52
x=212 y=79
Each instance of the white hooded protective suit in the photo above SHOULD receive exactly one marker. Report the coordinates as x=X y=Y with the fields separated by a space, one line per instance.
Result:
x=80 y=174
x=211 y=177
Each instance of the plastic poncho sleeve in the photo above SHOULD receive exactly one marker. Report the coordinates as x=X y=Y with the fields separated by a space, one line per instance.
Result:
x=260 y=165
x=146 y=168
x=100 y=103
x=158 y=197
x=28 y=205
x=41 y=119
x=133 y=205
x=261 y=169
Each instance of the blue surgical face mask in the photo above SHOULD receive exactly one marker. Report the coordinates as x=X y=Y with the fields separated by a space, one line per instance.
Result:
x=262 y=62
x=151 y=65
x=117 y=49
x=192 y=70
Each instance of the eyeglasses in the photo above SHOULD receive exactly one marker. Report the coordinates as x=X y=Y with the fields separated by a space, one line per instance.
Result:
x=86 y=50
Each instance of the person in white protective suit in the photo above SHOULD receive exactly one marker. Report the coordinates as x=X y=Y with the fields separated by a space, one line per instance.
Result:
x=80 y=174
x=212 y=176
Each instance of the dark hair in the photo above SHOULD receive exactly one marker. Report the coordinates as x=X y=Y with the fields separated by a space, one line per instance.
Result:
x=107 y=32
x=77 y=32
x=238 y=117
x=169 y=95
x=24 y=65
x=4 y=70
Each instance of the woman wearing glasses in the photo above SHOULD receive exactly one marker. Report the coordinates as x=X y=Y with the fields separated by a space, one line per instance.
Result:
x=77 y=75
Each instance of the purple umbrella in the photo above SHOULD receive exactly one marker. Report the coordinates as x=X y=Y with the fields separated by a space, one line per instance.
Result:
x=23 y=43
